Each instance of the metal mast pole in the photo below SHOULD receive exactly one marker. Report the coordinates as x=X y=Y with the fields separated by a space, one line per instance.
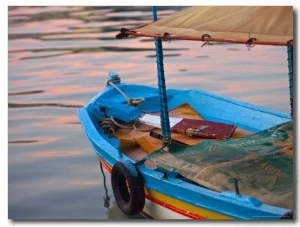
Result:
x=291 y=79
x=164 y=114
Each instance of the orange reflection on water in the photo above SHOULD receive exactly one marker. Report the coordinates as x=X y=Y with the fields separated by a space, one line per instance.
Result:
x=84 y=183
x=60 y=121
x=22 y=44
x=67 y=89
x=29 y=10
x=71 y=36
x=53 y=25
x=55 y=154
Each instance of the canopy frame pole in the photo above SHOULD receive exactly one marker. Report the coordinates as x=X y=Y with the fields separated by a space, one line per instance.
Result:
x=164 y=111
x=291 y=77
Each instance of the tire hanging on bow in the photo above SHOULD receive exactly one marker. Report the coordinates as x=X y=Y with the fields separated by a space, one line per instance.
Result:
x=128 y=188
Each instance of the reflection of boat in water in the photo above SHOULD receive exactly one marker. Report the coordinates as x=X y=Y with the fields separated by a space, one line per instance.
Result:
x=106 y=198
x=178 y=170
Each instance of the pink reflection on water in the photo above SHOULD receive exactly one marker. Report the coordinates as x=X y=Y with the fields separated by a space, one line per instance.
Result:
x=27 y=10
x=65 y=120
x=49 y=154
x=72 y=36
x=68 y=89
x=62 y=121
x=53 y=25
x=83 y=183
x=22 y=43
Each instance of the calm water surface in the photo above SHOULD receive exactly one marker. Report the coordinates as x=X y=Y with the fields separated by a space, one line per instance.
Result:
x=58 y=59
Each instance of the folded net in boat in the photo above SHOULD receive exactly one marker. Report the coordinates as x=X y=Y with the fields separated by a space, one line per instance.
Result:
x=262 y=163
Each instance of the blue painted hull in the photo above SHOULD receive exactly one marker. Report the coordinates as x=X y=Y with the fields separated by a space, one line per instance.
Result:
x=200 y=202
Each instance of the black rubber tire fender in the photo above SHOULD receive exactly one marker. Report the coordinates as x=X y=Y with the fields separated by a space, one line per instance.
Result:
x=128 y=187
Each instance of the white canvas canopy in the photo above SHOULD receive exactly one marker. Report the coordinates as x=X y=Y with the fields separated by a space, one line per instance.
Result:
x=268 y=25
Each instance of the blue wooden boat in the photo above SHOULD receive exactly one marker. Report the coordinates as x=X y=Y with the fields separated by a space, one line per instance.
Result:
x=168 y=174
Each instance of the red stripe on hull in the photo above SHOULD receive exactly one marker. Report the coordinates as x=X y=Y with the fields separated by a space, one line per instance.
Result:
x=106 y=166
x=175 y=209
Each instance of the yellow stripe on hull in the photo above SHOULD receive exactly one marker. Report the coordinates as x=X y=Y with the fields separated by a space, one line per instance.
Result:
x=182 y=208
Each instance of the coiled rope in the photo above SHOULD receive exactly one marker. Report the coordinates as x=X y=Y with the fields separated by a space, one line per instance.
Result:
x=110 y=126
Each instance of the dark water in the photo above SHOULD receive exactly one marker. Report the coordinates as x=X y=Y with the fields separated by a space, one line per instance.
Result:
x=58 y=59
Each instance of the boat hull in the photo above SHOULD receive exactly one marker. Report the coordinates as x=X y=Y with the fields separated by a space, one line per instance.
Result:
x=166 y=196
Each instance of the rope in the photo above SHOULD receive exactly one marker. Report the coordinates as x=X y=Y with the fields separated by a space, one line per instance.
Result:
x=166 y=37
x=110 y=126
x=122 y=34
x=119 y=90
x=250 y=43
x=130 y=101
x=202 y=39
x=119 y=125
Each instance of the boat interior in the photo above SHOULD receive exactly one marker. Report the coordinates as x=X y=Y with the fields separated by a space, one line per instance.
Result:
x=140 y=141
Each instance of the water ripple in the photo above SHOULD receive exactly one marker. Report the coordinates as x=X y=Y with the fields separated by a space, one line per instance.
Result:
x=26 y=105
x=25 y=92
x=22 y=141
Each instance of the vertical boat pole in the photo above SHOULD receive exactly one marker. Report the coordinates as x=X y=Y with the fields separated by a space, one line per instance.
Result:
x=291 y=79
x=164 y=114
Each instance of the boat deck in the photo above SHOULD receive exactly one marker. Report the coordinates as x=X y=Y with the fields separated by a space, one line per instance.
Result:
x=215 y=163
x=137 y=142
